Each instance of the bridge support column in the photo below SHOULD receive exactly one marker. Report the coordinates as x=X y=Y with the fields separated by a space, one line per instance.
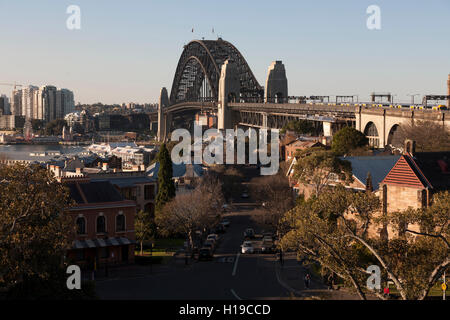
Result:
x=162 y=117
x=229 y=91
x=276 y=84
x=327 y=129
x=264 y=120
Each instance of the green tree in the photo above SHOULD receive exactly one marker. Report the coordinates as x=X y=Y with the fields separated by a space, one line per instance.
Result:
x=166 y=187
x=34 y=231
x=54 y=127
x=194 y=210
x=348 y=139
x=332 y=229
x=299 y=126
x=318 y=167
x=143 y=227
x=369 y=183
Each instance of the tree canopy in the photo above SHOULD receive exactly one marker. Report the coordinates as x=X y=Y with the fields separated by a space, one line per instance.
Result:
x=193 y=210
x=55 y=127
x=430 y=136
x=166 y=187
x=332 y=229
x=299 y=126
x=34 y=230
x=318 y=167
x=348 y=139
x=143 y=227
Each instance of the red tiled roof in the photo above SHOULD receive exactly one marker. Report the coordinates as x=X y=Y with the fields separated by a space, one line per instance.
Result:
x=406 y=173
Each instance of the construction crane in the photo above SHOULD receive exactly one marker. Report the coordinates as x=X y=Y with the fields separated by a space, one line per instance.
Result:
x=11 y=84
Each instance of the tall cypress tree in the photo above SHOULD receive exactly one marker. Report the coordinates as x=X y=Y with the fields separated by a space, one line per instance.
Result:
x=166 y=187
x=369 y=185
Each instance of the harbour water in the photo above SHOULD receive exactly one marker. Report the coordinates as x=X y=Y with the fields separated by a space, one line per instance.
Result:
x=16 y=151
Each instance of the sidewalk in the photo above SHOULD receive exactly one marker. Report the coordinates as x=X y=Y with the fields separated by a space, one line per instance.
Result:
x=291 y=277
x=126 y=271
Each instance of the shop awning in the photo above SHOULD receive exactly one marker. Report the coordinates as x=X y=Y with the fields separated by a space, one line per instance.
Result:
x=100 y=243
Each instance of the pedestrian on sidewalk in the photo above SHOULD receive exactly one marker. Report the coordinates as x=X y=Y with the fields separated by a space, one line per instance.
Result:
x=331 y=281
x=307 y=280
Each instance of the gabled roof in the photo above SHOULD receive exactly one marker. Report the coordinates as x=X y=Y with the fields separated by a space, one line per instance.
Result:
x=93 y=192
x=179 y=170
x=406 y=173
x=378 y=166
x=304 y=144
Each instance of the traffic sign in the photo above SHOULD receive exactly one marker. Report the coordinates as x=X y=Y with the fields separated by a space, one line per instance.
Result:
x=444 y=287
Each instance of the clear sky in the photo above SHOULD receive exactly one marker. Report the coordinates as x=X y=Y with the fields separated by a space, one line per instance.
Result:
x=127 y=50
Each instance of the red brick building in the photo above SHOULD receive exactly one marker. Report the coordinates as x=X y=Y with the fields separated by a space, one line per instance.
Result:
x=104 y=223
x=298 y=145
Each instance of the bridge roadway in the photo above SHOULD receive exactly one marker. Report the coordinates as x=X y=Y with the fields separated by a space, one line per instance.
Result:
x=384 y=120
x=346 y=111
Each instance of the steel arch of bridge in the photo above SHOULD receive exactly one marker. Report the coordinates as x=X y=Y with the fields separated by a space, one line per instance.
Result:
x=202 y=60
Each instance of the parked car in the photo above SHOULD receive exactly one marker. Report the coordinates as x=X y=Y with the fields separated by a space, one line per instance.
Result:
x=213 y=236
x=220 y=228
x=247 y=247
x=249 y=233
x=225 y=222
x=268 y=246
x=205 y=253
x=209 y=244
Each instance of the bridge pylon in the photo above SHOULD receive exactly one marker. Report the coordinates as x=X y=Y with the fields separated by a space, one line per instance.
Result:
x=276 y=84
x=163 y=126
x=229 y=91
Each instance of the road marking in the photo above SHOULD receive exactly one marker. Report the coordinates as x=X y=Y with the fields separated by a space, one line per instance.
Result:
x=235 y=264
x=235 y=295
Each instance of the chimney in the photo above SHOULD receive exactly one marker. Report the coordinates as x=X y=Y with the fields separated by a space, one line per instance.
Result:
x=105 y=166
x=57 y=171
x=410 y=147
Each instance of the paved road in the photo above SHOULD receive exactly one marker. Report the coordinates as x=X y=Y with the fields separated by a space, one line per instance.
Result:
x=229 y=276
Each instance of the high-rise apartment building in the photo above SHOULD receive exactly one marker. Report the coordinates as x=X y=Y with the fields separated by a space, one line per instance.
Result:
x=4 y=105
x=65 y=103
x=28 y=101
x=46 y=103
x=16 y=102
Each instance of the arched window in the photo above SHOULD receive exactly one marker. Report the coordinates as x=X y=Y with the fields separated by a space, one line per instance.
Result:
x=120 y=222
x=101 y=224
x=81 y=225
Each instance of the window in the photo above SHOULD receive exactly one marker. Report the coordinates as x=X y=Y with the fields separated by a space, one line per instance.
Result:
x=101 y=224
x=104 y=253
x=149 y=192
x=79 y=255
x=120 y=222
x=138 y=191
x=81 y=225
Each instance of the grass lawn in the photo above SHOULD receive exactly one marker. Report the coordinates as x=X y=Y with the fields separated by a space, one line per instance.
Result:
x=436 y=290
x=158 y=257
x=166 y=244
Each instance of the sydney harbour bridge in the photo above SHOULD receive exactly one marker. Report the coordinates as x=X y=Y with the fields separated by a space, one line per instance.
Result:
x=213 y=76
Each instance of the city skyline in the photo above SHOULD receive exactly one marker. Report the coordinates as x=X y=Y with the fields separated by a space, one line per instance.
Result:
x=126 y=53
